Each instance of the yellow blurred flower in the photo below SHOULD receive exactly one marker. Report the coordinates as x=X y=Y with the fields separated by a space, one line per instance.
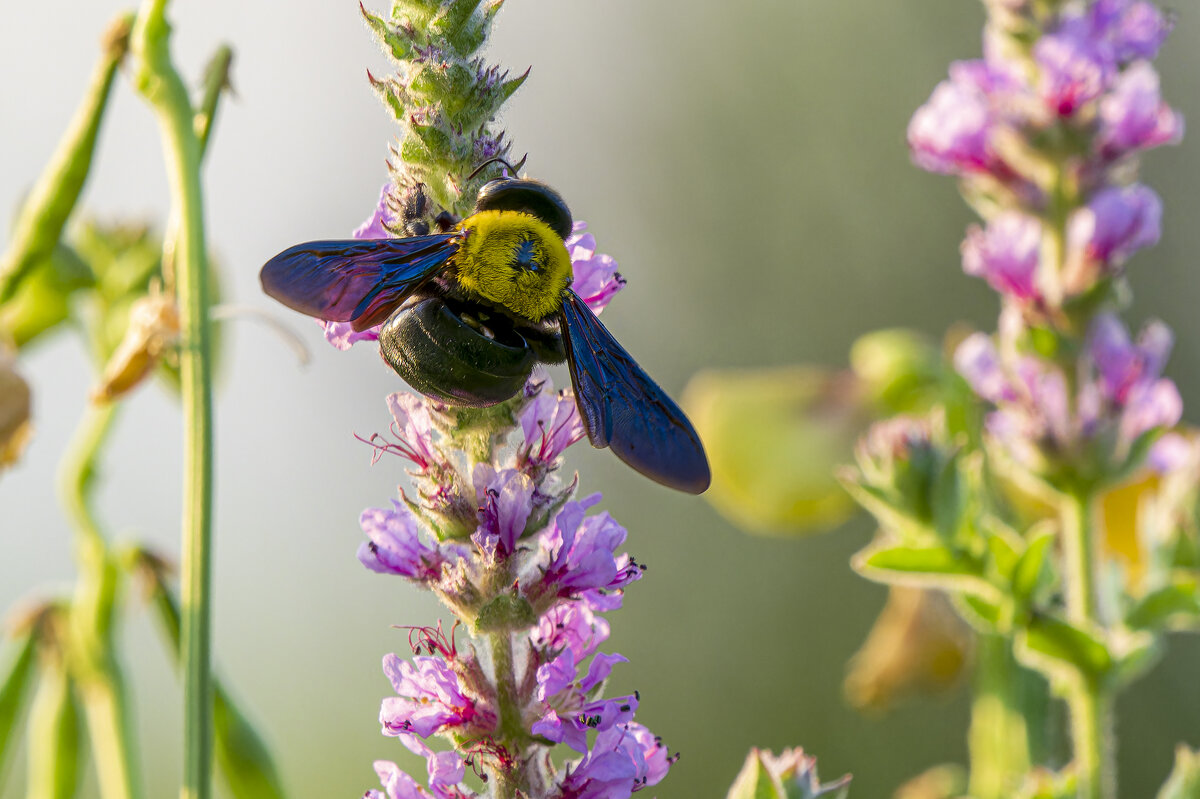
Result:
x=917 y=645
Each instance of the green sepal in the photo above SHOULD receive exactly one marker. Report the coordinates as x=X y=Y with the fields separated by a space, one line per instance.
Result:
x=453 y=16
x=395 y=40
x=387 y=91
x=1051 y=644
x=1184 y=780
x=471 y=36
x=55 y=734
x=416 y=13
x=924 y=567
x=505 y=613
x=755 y=782
x=790 y=775
x=15 y=680
x=1173 y=606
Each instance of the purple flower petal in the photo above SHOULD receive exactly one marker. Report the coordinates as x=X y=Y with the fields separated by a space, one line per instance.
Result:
x=1075 y=66
x=1134 y=117
x=1116 y=223
x=395 y=545
x=596 y=277
x=1006 y=254
x=978 y=362
x=950 y=133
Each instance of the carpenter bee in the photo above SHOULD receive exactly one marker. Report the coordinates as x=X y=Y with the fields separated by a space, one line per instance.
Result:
x=468 y=312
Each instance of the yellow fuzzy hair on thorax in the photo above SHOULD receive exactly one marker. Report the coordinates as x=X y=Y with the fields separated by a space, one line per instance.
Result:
x=489 y=262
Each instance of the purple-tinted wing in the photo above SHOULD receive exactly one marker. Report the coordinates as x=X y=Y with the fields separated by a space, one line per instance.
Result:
x=624 y=409
x=357 y=280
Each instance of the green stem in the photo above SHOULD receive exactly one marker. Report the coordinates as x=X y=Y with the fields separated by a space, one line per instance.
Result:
x=1007 y=711
x=1089 y=701
x=44 y=213
x=506 y=784
x=162 y=86
x=92 y=659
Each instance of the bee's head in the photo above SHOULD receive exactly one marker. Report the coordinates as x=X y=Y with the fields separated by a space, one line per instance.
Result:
x=527 y=196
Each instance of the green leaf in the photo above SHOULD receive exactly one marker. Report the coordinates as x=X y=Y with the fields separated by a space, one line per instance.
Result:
x=1003 y=557
x=1051 y=643
x=242 y=755
x=44 y=213
x=984 y=616
x=926 y=567
x=1173 y=606
x=1028 y=572
x=1184 y=781
x=15 y=679
x=55 y=733
x=453 y=16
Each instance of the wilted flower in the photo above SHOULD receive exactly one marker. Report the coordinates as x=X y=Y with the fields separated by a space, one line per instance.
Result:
x=153 y=328
x=917 y=645
x=16 y=405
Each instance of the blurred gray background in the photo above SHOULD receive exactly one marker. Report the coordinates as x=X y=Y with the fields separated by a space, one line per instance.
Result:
x=745 y=162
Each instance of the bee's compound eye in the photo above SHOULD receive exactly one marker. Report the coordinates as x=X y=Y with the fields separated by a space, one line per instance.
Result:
x=450 y=355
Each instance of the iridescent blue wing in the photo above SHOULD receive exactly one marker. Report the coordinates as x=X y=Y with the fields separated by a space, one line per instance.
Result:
x=624 y=409
x=356 y=280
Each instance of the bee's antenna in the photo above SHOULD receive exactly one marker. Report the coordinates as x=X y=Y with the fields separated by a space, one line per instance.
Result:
x=499 y=159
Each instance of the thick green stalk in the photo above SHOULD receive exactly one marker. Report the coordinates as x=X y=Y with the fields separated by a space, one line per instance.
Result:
x=1006 y=711
x=1089 y=701
x=91 y=653
x=162 y=86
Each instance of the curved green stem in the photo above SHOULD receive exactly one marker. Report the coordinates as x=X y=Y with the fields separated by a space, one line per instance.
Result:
x=160 y=83
x=92 y=658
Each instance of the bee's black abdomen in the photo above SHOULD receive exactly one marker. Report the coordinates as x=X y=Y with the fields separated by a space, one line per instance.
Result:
x=442 y=351
x=529 y=196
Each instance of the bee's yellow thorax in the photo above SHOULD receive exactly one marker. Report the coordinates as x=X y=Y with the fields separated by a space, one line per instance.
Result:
x=514 y=260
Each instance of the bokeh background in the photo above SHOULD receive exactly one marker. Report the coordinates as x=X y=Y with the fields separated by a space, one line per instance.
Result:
x=746 y=164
